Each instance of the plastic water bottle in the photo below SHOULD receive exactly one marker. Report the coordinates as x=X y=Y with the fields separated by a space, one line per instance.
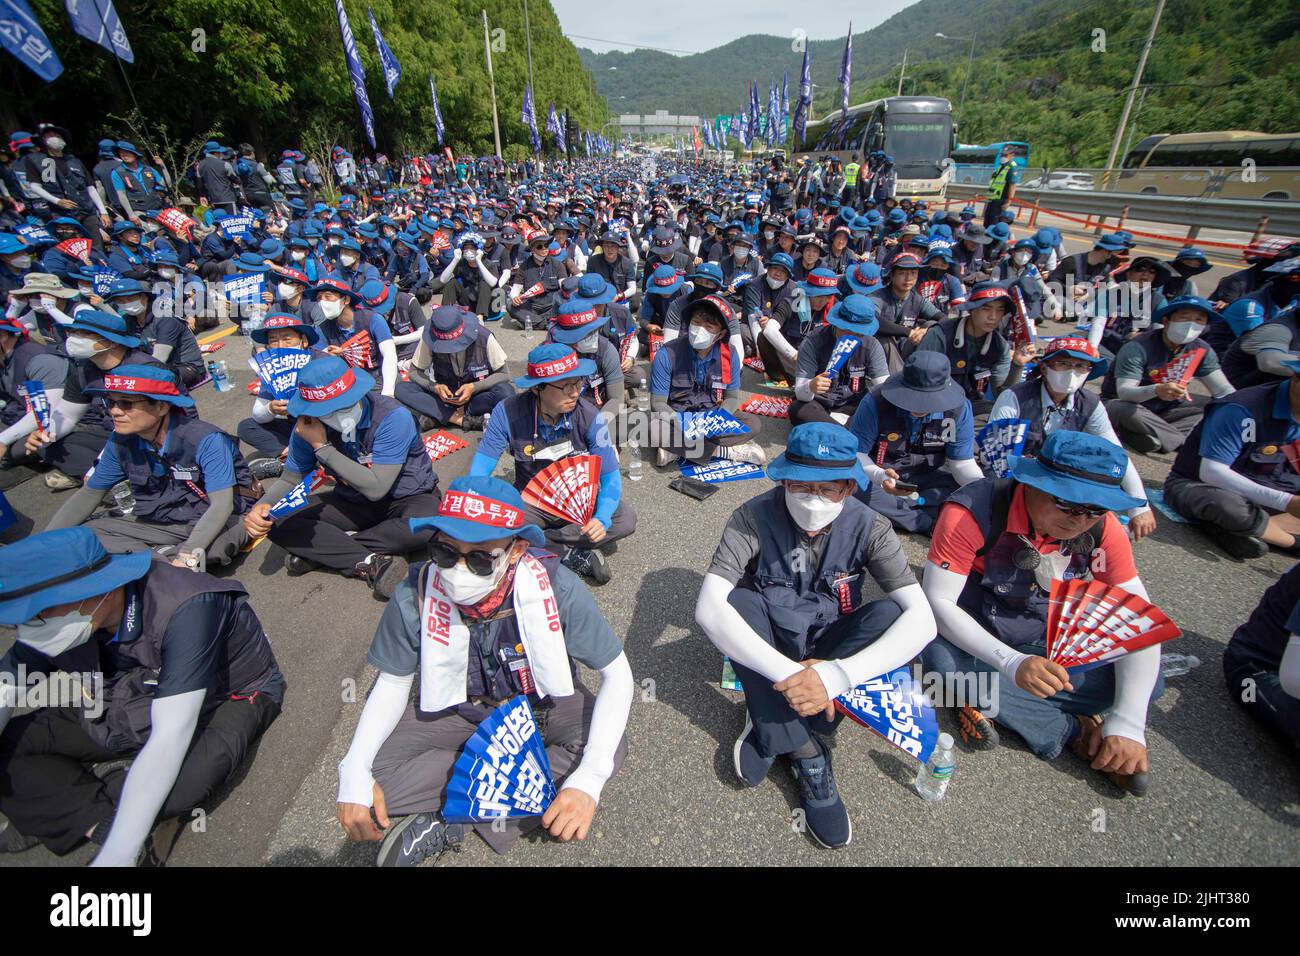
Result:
x=642 y=400
x=932 y=779
x=226 y=383
x=124 y=499
x=634 y=462
x=1176 y=665
x=528 y=325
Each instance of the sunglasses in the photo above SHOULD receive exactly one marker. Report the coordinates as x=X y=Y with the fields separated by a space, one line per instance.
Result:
x=126 y=404
x=479 y=562
x=1075 y=510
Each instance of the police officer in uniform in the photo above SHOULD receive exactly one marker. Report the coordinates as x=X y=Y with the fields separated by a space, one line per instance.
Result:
x=785 y=598
x=1002 y=187
x=553 y=418
x=189 y=685
x=458 y=373
x=997 y=547
x=472 y=622
x=371 y=448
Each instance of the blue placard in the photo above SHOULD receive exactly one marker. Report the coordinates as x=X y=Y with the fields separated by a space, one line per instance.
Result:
x=38 y=403
x=245 y=286
x=7 y=517
x=503 y=772
x=236 y=227
x=714 y=423
x=278 y=369
x=894 y=706
x=998 y=441
x=844 y=347
x=102 y=279
x=297 y=497
x=722 y=469
x=36 y=235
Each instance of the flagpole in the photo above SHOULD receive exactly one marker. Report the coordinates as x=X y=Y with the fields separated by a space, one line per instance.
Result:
x=492 y=85
x=528 y=42
x=127 y=80
x=901 y=73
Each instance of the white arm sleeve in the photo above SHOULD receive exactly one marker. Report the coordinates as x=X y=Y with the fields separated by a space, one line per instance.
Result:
x=151 y=776
x=903 y=640
x=1135 y=678
x=773 y=335
x=162 y=352
x=1128 y=390
x=669 y=334
x=730 y=634
x=388 y=355
x=1006 y=406
x=384 y=708
x=608 y=722
x=64 y=415
x=1288 y=670
x=1221 y=476
x=874 y=471
x=965 y=470
x=504 y=281
x=943 y=588
x=262 y=411
x=803 y=389
x=449 y=271
x=1269 y=361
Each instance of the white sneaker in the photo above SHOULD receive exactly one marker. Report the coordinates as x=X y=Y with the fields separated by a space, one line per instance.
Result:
x=749 y=452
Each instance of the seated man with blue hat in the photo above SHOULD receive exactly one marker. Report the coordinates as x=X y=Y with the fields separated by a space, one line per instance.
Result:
x=269 y=427
x=382 y=476
x=458 y=372
x=773 y=299
x=1151 y=410
x=345 y=315
x=167 y=337
x=177 y=683
x=821 y=395
x=491 y=616
x=998 y=546
x=403 y=313
x=578 y=324
x=1236 y=473
x=785 y=598
x=189 y=481
x=553 y=418
x=916 y=440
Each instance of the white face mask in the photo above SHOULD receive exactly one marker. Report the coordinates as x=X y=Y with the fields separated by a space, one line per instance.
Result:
x=21 y=262
x=740 y=253
x=131 y=308
x=700 y=338
x=80 y=347
x=48 y=302
x=471 y=254
x=588 y=345
x=344 y=421
x=299 y=256
x=331 y=308
x=465 y=587
x=1020 y=257
x=769 y=235
x=56 y=142
x=167 y=274
x=1180 y=333
x=86 y=290
x=1065 y=382
x=774 y=283
x=55 y=635
x=812 y=512
x=287 y=290
x=348 y=261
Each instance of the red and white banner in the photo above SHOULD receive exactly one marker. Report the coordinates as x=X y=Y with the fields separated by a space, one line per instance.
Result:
x=1091 y=622
x=177 y=222
x=1179 y=369
x=356 y=350
x=566 y=488
x=533 y=292
x=77 y=248
x=755 y=363
x=1023 y=329
x=442 y=444
x=770 y=406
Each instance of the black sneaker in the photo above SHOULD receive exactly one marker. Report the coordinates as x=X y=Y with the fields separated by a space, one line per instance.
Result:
x=11 y=841
x=824 y=813
x=588 y=564
x=296 y=564
x=472 y=423
x=1240 y=546
x=383 y=573
x=751 y=766
x=264 y=468
x=414 y=839
x=425 y=423
x=977 y=731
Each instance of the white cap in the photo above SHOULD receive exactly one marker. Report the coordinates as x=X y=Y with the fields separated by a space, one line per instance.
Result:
x=945 y=742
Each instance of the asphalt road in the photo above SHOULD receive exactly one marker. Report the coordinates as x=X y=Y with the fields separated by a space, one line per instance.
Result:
x=1223 y=791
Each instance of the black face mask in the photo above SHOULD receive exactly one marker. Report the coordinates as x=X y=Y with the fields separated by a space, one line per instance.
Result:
x=699 y=293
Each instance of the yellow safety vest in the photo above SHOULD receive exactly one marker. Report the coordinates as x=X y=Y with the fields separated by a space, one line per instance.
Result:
x=998 y=182
x=851 y=174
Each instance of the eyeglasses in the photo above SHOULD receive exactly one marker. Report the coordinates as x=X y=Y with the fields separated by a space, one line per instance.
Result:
x=1075 y=510
x=126 y=404
x=479 y=562
x=570 y=387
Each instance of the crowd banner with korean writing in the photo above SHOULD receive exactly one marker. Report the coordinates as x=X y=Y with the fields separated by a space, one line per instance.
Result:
x=36 y=235
x=566 y=488
x=532 y=291
x=177 y=221
x=21 y=35
x=755 y=363
x=998 y=441
x=38 y=403
x=102 y=279
x=356 y=350
x=844 y=347
x=1090 y=623
x=769 y=406
x=712 y=423
x=894 y=706
x=441 y=444
x=77 y=248
x=503 y=772
x=245 y=287
x=1024 y=331
x=236 y=227
x=278 y=369
x=722 y=469
x=1180 y=369
x=297 y=497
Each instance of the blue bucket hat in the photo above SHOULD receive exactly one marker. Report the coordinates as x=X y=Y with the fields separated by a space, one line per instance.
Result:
x=157 y=382
x=594 y=290
x=982 y=293
x=781 y=259
x=124 y=225
x=998 y=232
x=11 y=245
x=1186 y=302
x=924 y=385
x=554 y=362
x=1111 y=242
x=665 y=280
x=250 y=262
x=61 y=567
x=1078 y=467
x=271 y=249
x=451 y=328
x=327 y=384
x=378 y=296
x=819 y=451
x=478 y=508
x=575 y=320
x=1193 y=254
x=124 y=289
x=287 y=320
x=897 y=216
x=863 y=278
x=708 y=270
x=820 y=282
x=106 y=325
x=856 y=314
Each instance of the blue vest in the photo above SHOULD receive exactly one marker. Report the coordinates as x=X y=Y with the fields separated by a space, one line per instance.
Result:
x=475 y=367
x=1030 y=397
x=1240 y=366
x=1006 y=600
x=523 y=417
x=168 y=485
x=417 y=475
x=802 y=600
x=685 y=394
x=334 y=334
x=1261 y=460
x=972 y=367
x=906 y=453
x=1155 y=355
x=850 y=382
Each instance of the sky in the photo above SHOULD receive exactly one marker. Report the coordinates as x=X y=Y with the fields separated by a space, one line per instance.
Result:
x=689 y=26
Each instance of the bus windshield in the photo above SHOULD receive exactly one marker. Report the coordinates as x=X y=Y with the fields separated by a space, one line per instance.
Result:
x=919 y=143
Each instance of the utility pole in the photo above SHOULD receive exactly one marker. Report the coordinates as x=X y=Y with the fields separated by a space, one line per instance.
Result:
x=492 y=85
x=1132 y=91
x=904 y=71
x=528 y=42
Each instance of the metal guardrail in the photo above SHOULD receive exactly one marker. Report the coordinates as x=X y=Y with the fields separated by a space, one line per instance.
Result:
x=1232 y=215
